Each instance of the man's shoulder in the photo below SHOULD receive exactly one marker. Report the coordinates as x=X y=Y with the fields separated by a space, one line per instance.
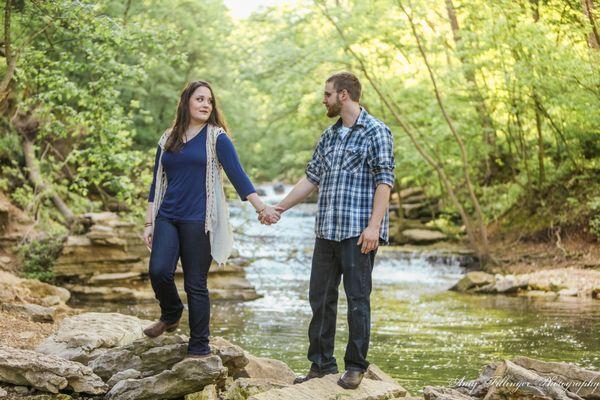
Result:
x=374 y=126
x=327 y=132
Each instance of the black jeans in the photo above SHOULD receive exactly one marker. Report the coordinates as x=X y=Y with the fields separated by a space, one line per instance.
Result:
x=174 y=238
x=331 y=261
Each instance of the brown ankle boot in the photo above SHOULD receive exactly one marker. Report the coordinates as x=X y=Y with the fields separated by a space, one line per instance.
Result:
x=159 y=327
x=350 y=379
x=312 y=374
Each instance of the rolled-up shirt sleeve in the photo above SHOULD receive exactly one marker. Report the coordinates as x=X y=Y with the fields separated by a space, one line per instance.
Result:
x=153 y=186
x=314 y=167
x=233 y=168
x=381 y=156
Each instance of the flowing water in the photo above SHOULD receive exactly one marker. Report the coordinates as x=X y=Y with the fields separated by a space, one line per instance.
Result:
x=422 y=334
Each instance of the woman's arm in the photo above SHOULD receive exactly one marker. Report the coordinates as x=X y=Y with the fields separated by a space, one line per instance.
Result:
x=235 y=172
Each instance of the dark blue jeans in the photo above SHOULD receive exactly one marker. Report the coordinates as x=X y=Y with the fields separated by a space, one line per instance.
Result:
x=332 y=260
x=186 y=239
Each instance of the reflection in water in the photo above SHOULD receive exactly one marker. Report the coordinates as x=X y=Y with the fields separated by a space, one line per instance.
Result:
x=421 y=333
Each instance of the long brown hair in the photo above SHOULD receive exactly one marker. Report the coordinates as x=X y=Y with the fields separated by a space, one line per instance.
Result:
x=182 y=119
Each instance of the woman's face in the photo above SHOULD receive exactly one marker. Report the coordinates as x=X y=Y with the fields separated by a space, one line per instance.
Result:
x=201 y=104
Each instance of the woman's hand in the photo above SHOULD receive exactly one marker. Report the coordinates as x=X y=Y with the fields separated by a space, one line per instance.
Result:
x=148 y=237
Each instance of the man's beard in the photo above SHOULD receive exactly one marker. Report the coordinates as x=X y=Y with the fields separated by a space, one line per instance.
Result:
x=335 y=109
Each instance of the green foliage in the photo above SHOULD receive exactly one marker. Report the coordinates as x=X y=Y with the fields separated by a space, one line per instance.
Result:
x=39 y=257
x=103 y=78
x=594 y=223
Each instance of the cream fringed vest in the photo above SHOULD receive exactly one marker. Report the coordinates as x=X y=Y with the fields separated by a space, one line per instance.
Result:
x=217 y=212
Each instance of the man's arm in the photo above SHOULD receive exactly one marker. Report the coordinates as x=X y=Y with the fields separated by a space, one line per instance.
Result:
x=301 y=191
x=370 y=236
x=381 y=162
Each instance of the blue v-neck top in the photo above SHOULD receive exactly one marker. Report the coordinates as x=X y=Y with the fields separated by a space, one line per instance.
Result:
x=185 y=198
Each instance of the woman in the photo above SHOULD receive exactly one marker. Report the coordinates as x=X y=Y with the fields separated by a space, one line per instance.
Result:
x=187 y=213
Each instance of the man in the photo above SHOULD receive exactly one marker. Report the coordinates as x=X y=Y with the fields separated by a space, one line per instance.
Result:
x=353 y=169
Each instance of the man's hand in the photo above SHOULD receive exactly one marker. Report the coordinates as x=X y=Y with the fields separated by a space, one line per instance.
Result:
x=369 y=239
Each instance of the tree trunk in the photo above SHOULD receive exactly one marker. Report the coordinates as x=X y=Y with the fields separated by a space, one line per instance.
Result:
x=485 y=120
x=589 y=11
x=27 y=126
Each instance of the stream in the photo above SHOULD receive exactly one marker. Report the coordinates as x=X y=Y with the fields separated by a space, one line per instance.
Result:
x=422 y=334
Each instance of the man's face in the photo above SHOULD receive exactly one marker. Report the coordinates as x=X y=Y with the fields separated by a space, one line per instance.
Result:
x=331 y=100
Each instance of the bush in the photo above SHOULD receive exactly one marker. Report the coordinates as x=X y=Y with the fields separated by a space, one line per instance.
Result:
x=39 y=256
x=594 y=222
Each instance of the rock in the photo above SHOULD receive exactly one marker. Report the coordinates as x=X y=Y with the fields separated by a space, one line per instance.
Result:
x=261 y=192
x=231 y=288
x=110 y=245
x=473 y=280
x=122 y=375
x=416 y=210
x=376 y=374
x=267 y=368
x=85 y=336
x=568 y=279
x=440 y=393
x=32 y=312
x=568 y=292
x=114 y=279
x=327 y=388
x=243 y=388
x=3 y=393
x=42 y=289
x=480 y=386
x=185 y=377
x=422 y=236
x=152 y=356
x=101 y=294
x=279 y=188
x=46 y=372
x=208 y=393
x=21 y=390
x=232 y=356
x=537 y=293
x=145 y=355
x=564 y=372
x=15 y=289
x=411 y=191
x=49 y=301
x=417 y=198
x=521 y=383
x=509 y=283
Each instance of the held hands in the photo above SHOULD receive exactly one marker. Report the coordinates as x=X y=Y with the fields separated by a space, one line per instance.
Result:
x=369 y=239
x=270 y=215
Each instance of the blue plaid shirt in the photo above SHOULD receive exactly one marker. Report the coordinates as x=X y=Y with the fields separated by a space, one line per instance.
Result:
x=347 y=172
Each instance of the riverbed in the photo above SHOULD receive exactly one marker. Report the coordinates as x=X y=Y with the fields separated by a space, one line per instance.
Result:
x=422 y=334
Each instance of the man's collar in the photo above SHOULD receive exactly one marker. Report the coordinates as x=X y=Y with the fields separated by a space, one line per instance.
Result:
x=360 y=121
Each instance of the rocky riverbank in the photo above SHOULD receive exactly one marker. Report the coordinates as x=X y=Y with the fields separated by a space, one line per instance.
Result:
x=109 y=262
x=554 y=283
x=106 y=356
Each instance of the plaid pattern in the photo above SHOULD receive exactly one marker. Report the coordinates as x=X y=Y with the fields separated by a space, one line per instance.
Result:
x=347 y=172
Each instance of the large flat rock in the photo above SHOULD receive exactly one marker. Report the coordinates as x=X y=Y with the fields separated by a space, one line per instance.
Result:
x=187 y=376
x=326 y=388
x=85 y=336
x=47 y=373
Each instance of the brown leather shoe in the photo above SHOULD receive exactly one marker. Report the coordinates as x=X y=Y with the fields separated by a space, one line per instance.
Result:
x=313 y=374
x=159 y=327
x=350 y=379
